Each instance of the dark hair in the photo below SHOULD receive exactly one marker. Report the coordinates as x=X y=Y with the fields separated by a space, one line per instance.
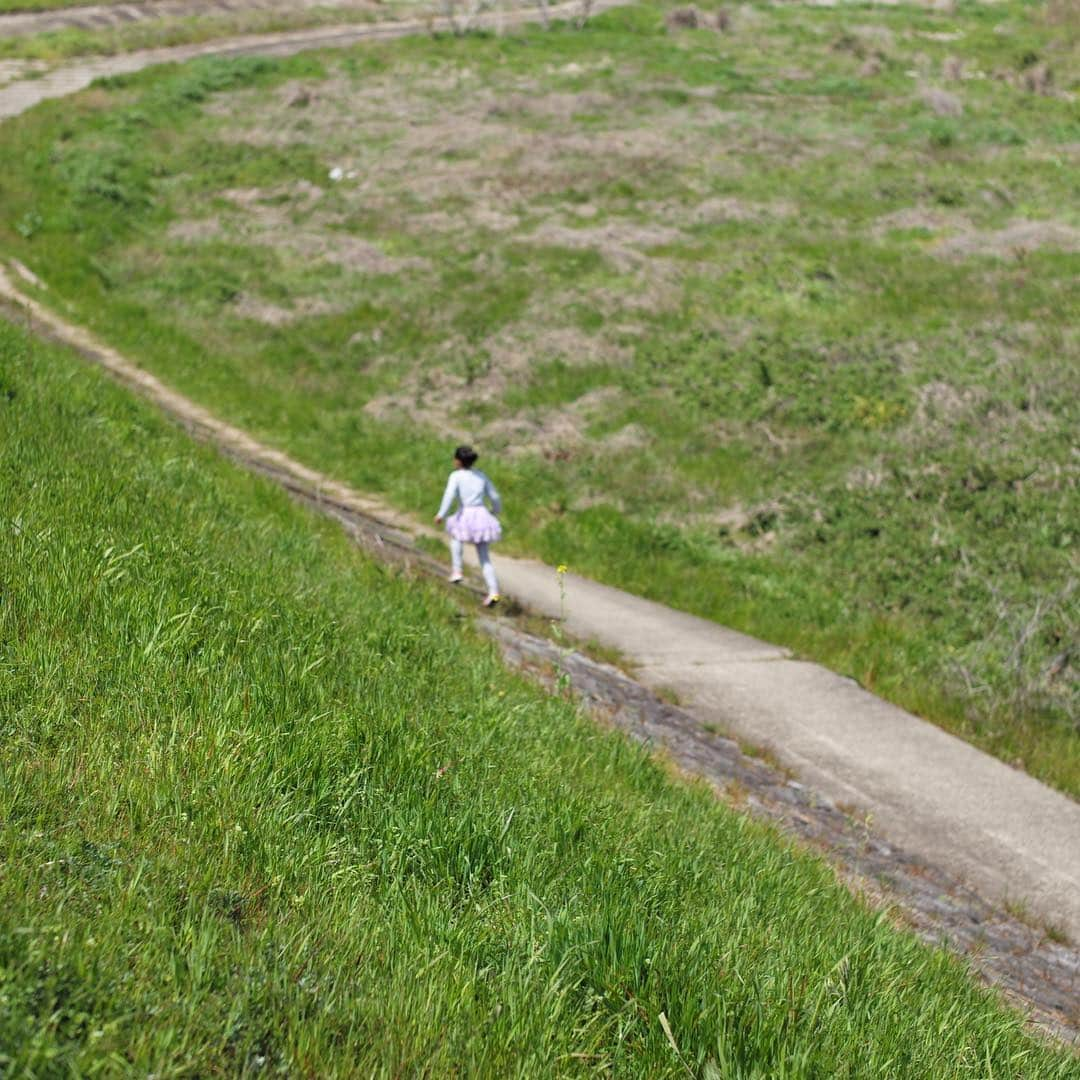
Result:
x=466 y=455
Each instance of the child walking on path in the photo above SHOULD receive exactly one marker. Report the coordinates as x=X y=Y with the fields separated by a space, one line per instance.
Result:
x=473 y=523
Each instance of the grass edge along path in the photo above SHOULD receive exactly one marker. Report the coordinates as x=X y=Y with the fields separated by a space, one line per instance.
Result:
x=266 y=805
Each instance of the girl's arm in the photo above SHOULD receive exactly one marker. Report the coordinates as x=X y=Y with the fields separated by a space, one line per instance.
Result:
x=493 y=495
x=448 y=497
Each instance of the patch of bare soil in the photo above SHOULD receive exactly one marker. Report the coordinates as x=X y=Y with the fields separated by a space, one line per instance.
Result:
x=627 y=438
x=749 y=528
x=989 y=421
x=254 y=213
x=426 y=398
x=918 y=217
x=653 y=146
x=941 y=102
x=288 y=218
x=1019 y=238
x=195 y=230
x=457 y=135
x=719 y=209
x=301 y=196
x=556 y=435
x=865 y=477
x=624 y=244
x=444 y=398
x=462 y=158
x=352 y=253
x=466 y=219
x=257 y=309
x=715 y=210
x=460 y=373
x=560 y=433
x=572 y=345
x=555 y=105
x=941 y=402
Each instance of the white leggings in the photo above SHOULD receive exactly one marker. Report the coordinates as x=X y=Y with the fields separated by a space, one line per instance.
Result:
x=483 y=553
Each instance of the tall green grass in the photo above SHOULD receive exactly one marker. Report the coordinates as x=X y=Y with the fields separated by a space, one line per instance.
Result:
x=267 y=808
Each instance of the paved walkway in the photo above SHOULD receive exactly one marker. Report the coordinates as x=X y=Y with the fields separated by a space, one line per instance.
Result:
x=1011 y=836
x=110 y=16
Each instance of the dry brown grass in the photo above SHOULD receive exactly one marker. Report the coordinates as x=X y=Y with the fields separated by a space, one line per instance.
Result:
x=952 y=69
x=291 y=220
x=941 y=102
x=692 y=17
x=260 y=310
x=1015 y=240
x=480 y=165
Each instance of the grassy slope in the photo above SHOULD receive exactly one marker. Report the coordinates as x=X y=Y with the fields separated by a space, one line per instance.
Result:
x=265 y=805
x=898 y=424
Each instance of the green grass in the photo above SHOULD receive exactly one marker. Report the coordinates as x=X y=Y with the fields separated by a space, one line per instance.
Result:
x=791 y=414
x=267 y=807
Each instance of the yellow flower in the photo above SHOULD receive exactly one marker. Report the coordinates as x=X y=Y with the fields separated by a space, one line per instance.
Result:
x=561 y=568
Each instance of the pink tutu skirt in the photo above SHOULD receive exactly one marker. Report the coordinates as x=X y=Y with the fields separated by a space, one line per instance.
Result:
x=474 y=525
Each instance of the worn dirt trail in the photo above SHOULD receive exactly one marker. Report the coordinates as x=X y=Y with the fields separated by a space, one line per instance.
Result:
x=931 y=800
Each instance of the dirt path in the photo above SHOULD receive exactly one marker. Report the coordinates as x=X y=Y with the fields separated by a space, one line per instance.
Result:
x=929 y=807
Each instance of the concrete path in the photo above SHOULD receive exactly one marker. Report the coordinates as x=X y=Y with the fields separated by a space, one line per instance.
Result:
x=110 y=16
x=1012 y=837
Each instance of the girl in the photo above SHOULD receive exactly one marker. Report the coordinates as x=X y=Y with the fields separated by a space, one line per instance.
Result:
x=473 y=523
